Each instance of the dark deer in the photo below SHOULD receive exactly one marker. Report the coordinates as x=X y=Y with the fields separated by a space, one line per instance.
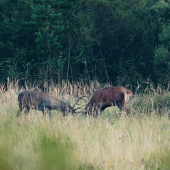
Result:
x=43 y=102
x=107 y=97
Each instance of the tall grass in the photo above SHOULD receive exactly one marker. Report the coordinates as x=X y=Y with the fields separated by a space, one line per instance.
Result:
x=112 y=141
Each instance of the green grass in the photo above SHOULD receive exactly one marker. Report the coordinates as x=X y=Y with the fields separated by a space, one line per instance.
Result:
x=112 y=141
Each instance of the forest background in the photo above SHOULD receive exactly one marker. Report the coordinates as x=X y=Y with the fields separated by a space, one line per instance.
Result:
x=125 y=41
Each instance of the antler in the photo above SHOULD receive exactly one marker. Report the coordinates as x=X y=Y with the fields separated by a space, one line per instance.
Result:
x=80 y=98
x=79 y=107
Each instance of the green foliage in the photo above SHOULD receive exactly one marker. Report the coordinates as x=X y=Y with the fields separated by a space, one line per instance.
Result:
x=117 y=41
x=32 y=31
x=162 y=57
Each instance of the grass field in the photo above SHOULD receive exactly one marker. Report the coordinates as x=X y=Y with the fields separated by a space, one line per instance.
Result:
x=113 y=141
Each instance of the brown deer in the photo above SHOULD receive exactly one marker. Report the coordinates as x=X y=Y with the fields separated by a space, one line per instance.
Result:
x=44 y=102
x=107 y=97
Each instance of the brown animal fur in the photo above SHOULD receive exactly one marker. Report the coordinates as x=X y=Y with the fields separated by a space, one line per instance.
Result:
x=107 y=97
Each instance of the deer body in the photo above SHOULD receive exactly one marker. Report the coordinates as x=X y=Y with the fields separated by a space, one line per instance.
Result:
x=41 y=101
x=107 y=97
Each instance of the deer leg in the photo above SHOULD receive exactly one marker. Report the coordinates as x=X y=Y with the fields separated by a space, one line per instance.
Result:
x=91 y=111
x=20 y=109
x=97 y=112
x=65 y=113
x=94 y=111
x=27 y=109
x=50 y=114
x=119 y=105
x=100 y=111
x=44 y=110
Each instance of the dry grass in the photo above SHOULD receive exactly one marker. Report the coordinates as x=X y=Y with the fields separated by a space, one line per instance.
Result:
x=112 y=141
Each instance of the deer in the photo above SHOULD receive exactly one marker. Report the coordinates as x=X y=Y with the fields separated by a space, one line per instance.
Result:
x=107 y=97
x=44 y=102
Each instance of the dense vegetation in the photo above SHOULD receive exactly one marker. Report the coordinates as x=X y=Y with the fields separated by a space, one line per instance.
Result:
x=120 y=40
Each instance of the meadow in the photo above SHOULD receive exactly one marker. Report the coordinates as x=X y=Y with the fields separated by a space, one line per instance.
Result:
x=112 y=141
